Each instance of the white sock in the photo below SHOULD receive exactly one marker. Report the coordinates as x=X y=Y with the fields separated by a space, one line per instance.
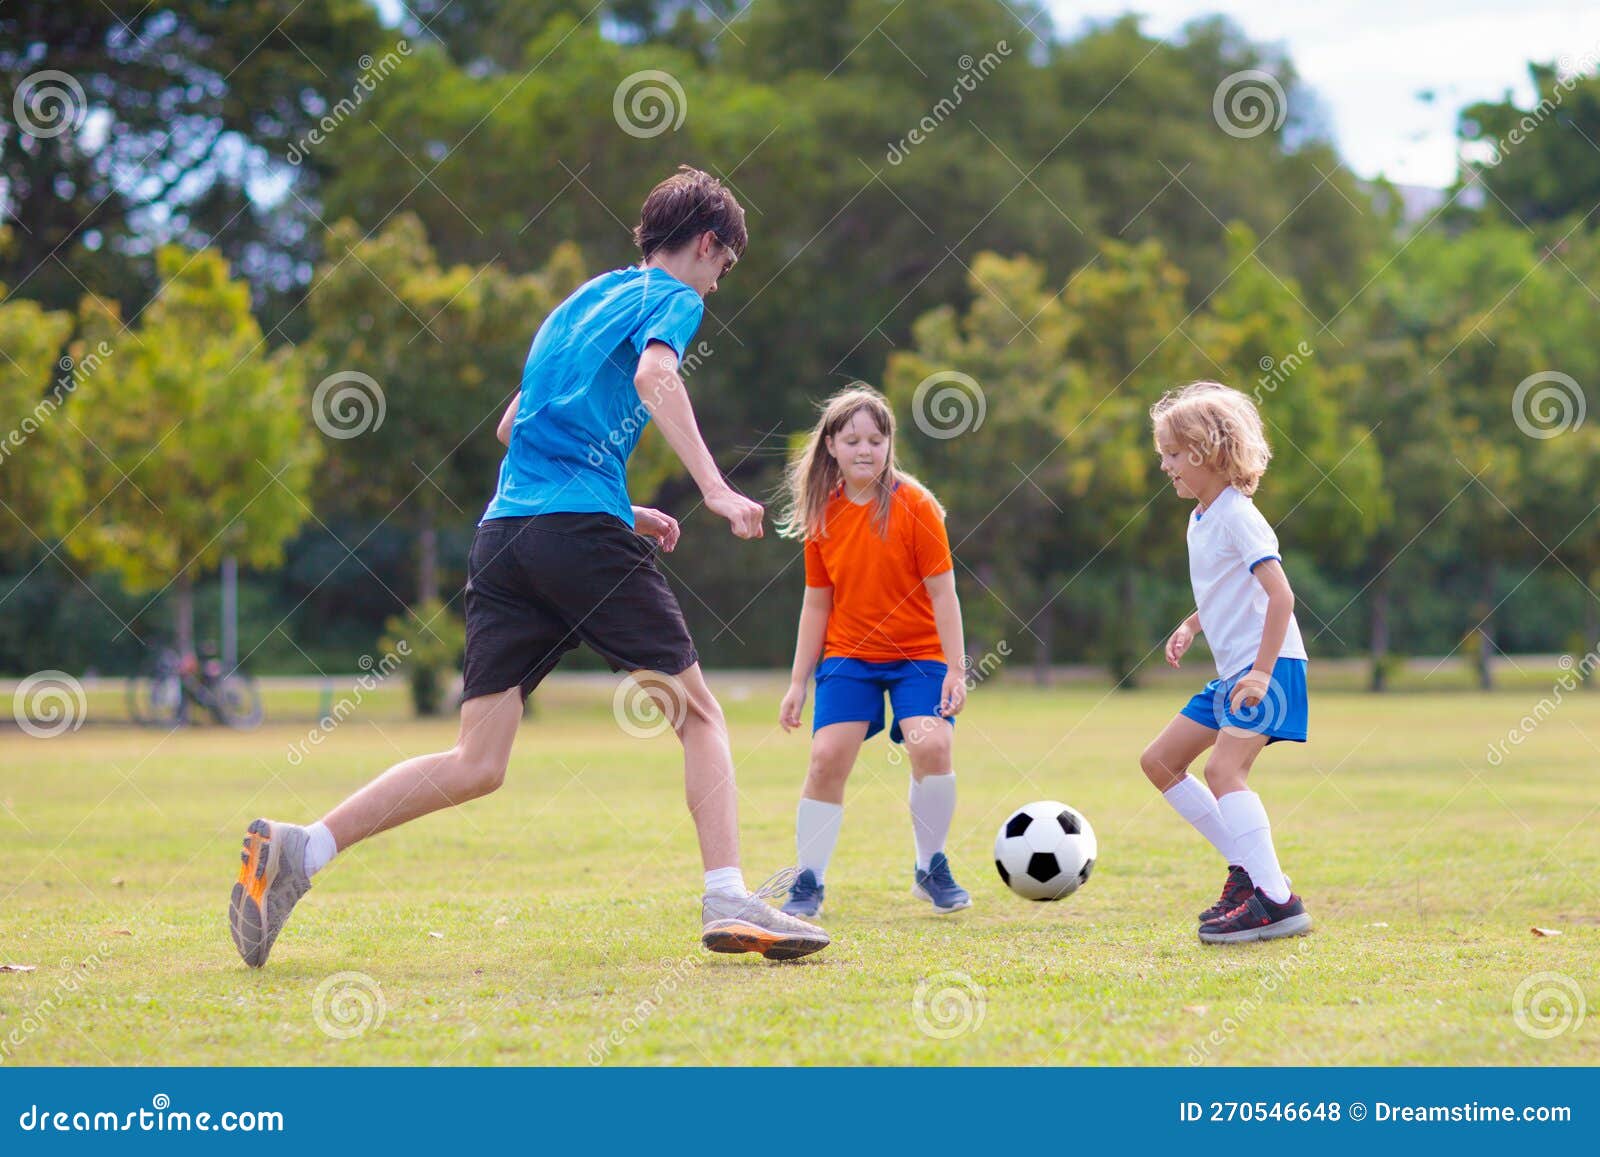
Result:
x=1193 y=800
x=320 y=848
x=933 y=806
x=729 y=881
x=816 y=831
x=1252 y=840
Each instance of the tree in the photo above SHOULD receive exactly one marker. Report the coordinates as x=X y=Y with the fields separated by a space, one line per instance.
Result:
x=194 y=434
x=40 y=484
x=411 y=366
x=1539 y=164
x=135 y=122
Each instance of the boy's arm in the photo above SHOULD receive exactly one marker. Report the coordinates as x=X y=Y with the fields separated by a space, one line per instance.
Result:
x=663 y=394
x=507 y=418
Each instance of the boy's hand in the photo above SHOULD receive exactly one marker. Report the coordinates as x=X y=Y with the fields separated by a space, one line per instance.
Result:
x=654 y=524
x=789 y=710
x=743 y=514
x=1250 y=690
x=953 y=695
x=1178 y=642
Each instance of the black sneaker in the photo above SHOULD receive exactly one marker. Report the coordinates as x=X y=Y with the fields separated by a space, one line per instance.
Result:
x=1236 y=891
x=1258 y=918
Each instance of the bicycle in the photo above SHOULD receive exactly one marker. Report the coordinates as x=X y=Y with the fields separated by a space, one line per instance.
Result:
x=162 y=695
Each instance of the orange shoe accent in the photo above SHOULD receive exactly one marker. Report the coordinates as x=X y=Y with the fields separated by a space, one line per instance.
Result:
x=253 y=866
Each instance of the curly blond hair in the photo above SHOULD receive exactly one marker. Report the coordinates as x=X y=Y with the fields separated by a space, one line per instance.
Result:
x=1219 y=427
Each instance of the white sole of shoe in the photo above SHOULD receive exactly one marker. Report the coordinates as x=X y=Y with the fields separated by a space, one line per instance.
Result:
x=1293 y=926
x=921 y=893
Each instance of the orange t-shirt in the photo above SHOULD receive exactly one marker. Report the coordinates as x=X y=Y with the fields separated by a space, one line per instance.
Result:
x=881 y=610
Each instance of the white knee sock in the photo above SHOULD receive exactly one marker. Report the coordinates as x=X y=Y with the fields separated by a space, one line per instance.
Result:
x=1193 y=800
x=1252 y=840
x=729 y=881
x=933 y=806
x=816 y=831
x=320 y=848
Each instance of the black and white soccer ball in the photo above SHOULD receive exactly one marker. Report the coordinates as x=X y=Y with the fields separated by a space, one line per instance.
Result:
x=1045 y=851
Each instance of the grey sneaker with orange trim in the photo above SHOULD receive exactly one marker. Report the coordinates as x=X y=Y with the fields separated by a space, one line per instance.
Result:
x=272 y=878
x=749 y=924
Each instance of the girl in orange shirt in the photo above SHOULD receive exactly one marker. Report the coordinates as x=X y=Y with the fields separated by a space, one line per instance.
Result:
x=880 y=617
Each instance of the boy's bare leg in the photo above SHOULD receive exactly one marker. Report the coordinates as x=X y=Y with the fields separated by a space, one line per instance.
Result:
x=731 y=920
x=474 y=767
x=273 y=872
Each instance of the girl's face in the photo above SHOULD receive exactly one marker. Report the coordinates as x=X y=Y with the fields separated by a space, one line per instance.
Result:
x=1191 y=477
x=860 y=449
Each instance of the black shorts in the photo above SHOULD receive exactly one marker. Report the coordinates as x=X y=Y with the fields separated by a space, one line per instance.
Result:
x=538 y=586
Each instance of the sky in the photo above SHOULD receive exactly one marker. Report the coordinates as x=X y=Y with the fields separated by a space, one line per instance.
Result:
x=1367 y=61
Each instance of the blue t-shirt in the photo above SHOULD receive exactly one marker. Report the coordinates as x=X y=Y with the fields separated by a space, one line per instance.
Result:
x=580 y=415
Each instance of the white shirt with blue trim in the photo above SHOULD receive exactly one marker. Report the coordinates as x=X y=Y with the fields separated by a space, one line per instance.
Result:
x=1227 y=541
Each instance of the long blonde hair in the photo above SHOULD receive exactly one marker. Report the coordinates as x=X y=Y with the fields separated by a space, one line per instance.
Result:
x=813 y=476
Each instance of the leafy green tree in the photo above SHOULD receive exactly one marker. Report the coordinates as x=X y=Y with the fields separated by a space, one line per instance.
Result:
x=138 y=122
x=40 y=484
x=195 y=435
x=412 y=364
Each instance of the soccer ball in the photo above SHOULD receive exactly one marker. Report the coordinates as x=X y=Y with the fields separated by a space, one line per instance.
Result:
x=1045 y=851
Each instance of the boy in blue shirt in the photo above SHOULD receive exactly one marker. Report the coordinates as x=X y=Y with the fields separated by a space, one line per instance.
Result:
x=560 y=557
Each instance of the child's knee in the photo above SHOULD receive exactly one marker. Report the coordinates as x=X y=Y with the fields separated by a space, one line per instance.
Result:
x=1157 y=769
x=478 y=775
x=1224 y=775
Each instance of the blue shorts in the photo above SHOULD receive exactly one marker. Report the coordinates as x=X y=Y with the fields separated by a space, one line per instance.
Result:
x=851 y=690
x=1283 y=714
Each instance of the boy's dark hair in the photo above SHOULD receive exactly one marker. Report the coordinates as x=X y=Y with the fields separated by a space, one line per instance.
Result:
x=684 y=206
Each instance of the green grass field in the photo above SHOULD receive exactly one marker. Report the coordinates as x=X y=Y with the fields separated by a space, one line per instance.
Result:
x=557 y=921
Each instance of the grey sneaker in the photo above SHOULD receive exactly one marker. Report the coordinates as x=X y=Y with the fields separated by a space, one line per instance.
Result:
x=272 y=878
x=750 y=924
